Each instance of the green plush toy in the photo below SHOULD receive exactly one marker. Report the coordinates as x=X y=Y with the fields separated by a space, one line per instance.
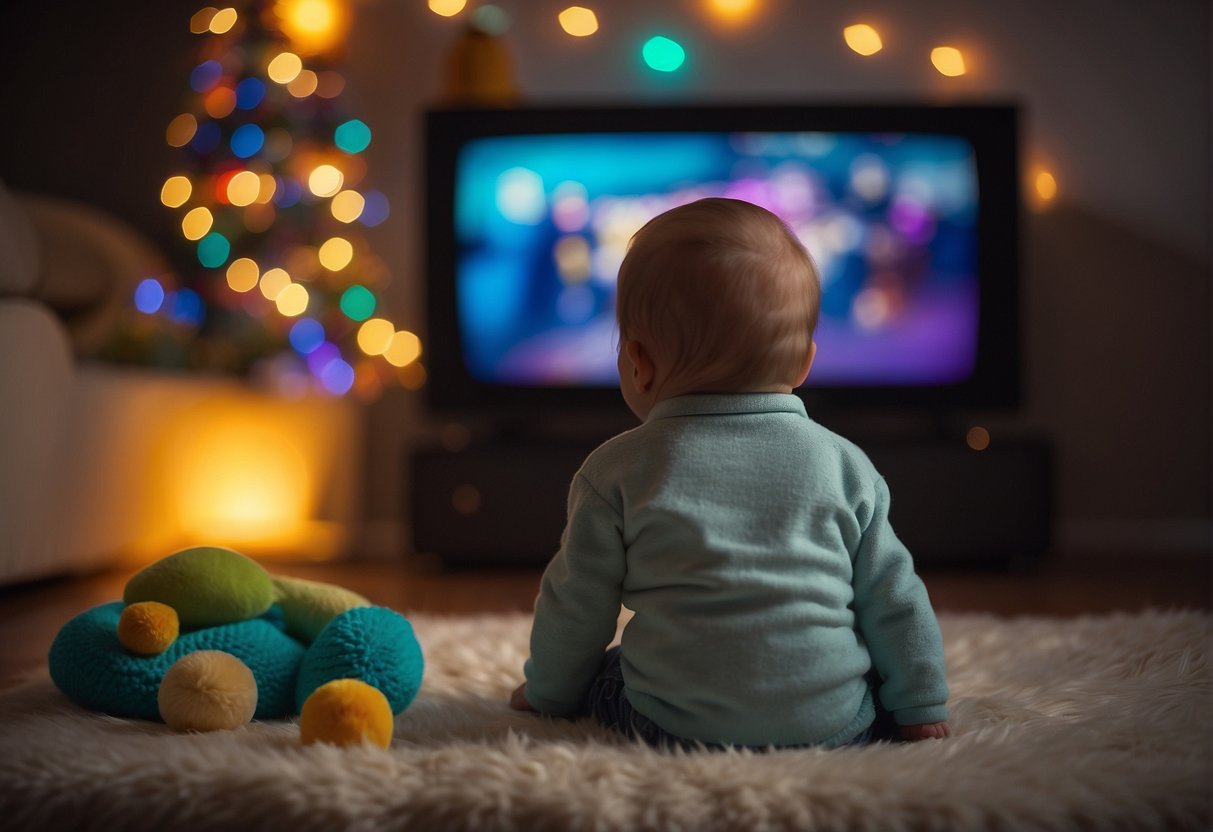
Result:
x=206 y=639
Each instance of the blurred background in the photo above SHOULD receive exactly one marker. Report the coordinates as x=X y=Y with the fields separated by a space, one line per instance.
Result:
x=1115 y=265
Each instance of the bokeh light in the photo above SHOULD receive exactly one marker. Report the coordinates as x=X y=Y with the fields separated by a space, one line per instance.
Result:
x=491 y=19
x=336 y=253
x=196 y=223
x=246 y=140
x=149 y=296
x=313 y=26
x=337 y=376
x=404 y=349
x=663 y=54
x=176 y=191
x=352 y=136
x=244 y=188
x=375 y=209
x=303 y=84
x=347 y=206
x=358 y=303
x=292 y=300
x=213 y=250
x=223 y=21
x=732 y=11
x=375 y=335
x=284 y=67
x=948 y=60
x=306 y=335
x=978 y=438
x=249 y=93
x=181 y=129
x=1046 y=185
x=273 y=282
x=242 y=275
x=578 y=21
x=863 y=39
x=325 y=180
x=200 y=23
x=447 y=8
x=205 y=76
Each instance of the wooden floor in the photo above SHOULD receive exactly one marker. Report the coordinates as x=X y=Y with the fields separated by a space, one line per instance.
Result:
x=31 y=614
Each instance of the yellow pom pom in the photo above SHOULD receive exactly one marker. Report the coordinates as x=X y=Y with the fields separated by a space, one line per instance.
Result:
x=148 y=628
x=208 y=690
x=346 y=712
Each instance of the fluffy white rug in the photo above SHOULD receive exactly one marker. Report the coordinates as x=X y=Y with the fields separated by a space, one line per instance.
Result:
x=1090 y=723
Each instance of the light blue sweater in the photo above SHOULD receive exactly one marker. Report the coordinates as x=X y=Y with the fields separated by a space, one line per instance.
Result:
x=754 y=547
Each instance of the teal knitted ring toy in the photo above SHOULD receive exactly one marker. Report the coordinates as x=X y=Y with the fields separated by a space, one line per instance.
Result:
x=375 y=645
x=92 y=668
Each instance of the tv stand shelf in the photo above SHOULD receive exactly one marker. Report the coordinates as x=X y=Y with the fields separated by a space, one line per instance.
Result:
x=503 y=502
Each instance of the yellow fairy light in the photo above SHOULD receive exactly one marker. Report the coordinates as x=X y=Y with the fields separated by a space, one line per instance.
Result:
x=863 y=39
x=197 y=223
x=243 y=188
x=266 y=187
x=313 y=26
x=292 y=300
x=223 y=21
x=304 y=84
x=273 y=282
x=325 y=180
x=200 y=23
x=336 y=253
x=978 y=438
x=447 y=8
x=284 y=68
x=404 y=349
x=347 y=206
x=1046 y=186
x=176 y=191
x=181 y=130
x=375 y=336
x=732 y=11
x=948 y=60
x=242 y=275
x=578 y=21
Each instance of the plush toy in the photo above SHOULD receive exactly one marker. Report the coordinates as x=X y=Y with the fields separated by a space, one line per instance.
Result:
x=206 y=639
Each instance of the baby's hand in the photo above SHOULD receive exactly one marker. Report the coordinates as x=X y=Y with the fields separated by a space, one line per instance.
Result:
x=930 y=731
x=518 y=699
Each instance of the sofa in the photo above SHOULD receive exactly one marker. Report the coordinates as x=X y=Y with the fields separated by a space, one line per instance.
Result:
x=90 y=451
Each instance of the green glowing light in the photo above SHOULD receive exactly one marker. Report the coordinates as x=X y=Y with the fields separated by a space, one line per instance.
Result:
x=213 y=250
x=352 y=136
x=358 y=303
x=663 y=54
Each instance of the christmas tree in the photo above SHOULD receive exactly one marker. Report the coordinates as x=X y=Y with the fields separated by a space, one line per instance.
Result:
x=280 y=280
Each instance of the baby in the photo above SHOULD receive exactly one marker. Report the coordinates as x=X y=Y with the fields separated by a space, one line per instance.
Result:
x=773 y=604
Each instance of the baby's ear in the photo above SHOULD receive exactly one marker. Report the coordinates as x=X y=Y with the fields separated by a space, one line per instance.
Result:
x=808 y=364
x=643 y=370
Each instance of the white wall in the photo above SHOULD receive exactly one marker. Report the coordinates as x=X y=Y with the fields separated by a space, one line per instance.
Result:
x=1116 y=99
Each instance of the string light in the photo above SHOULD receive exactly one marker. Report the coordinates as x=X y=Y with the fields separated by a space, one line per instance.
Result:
x=948 y=60
x=862 y=38
x=663 y=54
x=578 y=21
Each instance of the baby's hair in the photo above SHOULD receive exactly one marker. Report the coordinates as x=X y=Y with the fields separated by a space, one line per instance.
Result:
x=724 y=292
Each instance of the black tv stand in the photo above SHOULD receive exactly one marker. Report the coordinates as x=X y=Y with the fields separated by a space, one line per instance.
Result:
x=500 y=501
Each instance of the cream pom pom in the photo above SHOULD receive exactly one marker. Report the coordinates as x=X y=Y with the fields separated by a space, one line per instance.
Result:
x=207 y=690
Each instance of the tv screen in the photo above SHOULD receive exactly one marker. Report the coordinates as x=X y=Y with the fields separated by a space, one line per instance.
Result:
x=908 y=212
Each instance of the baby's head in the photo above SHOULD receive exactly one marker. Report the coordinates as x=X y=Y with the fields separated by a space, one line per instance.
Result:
x=718 y=296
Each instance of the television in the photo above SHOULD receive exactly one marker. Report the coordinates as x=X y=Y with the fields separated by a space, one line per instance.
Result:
x=910 y=213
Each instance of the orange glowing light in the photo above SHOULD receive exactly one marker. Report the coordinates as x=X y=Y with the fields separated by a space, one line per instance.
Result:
x=863 y=39
x=578 y=21
x=313 y=26
x=948 y=60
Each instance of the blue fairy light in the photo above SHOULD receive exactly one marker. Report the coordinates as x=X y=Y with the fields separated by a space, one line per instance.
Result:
x=337 y=376
x=205 y=76
x=206 y=138
x=249 y=93
x=306 y=335
x=149 y=296
x=186 y=307
x=375 y=210
x=247 y=139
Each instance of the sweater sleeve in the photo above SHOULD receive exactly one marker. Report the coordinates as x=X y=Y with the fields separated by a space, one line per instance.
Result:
x=578 y=604
x=898 y=623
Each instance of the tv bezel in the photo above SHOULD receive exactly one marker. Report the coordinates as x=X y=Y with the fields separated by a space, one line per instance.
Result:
x=992 y=129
